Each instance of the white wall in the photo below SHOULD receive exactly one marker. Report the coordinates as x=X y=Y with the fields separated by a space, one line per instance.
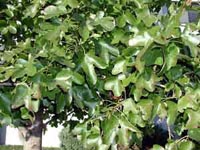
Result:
x=50 y=138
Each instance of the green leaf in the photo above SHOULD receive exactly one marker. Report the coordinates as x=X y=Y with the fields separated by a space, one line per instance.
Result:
x=77 y=78
x=60 y=103
x=172 y=112
x=9 y=13
x=152 y=57
x=140 y=40
x=174 y=73
x=186 y=145
x=32 y=105
x=109 y=126
x=5 y=103
x=32 y=10
x=121 y=21
x=119 y=67
x=194 y=134
x=21 y=95
x=12 y=29
x=187 y=101
x=5 y=119
x=112 y=50
x=108 y=23
x=171 y=146
x=144 y=15
x=130 y=18
x=146 y=107
x=30 y=69
x=193 y=119
x=171 y=56
x=177 y=91
x=114 y=85
x=4 y=31
x=84 y=32
x=73 y=3
x=83 y=96
x=157 y=147
x=89 y=62
x=25 y=113
x=130 y=79
x=64 y=79
x=124 y=123
x=147 y=80
x=117 y=36
x=122 y=137
x=129 y=106
x=52 y=11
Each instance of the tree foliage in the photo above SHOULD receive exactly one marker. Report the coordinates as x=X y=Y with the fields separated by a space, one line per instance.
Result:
x=69 y=141
x=115 y=65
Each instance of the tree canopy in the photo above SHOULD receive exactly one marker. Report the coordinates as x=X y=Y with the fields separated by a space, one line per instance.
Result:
x=114 y=65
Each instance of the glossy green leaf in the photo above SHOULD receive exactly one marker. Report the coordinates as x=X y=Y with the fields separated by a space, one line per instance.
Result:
x=77 y=78
x=146 y=107
x=122 y=137
x=64 y=79
x=5 y=119
x=52 y=11
x=186 y=145
x=130 y=18
x=21 y=95
x=172 y=112
x=193 y=119
x=121 y=21
x=145 y=16
x=111 y=49
x=171 y=146
x=25 y=113
x=32 y=10
x=89 y=62
x=117 y=36
x=84 y=32
x=130 y=79
x=119 y=67
x=108 y=23
x=83 y=96
x=61 y=102
x=140 y=40
x=32 y=105
x=109 y=127
x=187 y=101
x=30 y=69
x=129 y=106
x=152 y=57
x=157 y=147
x=171 y=56
x=114 y=85
x=73 y=3
x=12 y=29
x=194 y=134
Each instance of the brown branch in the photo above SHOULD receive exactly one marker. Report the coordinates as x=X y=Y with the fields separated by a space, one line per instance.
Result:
x=8 y=84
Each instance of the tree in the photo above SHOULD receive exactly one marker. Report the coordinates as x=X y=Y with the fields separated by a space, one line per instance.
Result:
x=114 y=65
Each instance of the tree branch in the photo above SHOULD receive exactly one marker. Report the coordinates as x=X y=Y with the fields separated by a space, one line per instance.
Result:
x=9 y=84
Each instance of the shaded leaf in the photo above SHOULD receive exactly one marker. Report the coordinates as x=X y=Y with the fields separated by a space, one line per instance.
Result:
x=5 y=103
